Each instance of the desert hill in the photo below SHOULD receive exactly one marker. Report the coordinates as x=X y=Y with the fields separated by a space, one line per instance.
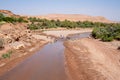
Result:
x=75 y=17
x=8 y=13
x=71 y=17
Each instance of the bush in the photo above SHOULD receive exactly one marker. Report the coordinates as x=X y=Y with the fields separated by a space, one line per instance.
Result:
x=7 y=55
x=1 y=17
x=107 y=39
x=106 y=33
x=33 y=27
x=11 y=19
x=44 y=23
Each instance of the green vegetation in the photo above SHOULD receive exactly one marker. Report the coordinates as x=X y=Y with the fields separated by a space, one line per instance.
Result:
x=103 y=31
x=2 y=22
x=108 y=33
x=11 y=19
x=7 y=55
x=37 y=23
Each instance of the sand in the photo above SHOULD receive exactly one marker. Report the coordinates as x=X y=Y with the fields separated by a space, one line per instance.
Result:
x=89 y=59
x=65 y=33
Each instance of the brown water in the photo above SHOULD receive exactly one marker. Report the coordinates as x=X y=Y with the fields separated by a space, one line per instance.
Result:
x=47 y=64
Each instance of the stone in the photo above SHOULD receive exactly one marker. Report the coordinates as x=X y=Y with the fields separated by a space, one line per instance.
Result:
x=17 y=45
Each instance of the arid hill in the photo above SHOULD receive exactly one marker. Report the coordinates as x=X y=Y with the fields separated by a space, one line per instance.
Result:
x=75 y=17
x=71 y=17
x=8 y=13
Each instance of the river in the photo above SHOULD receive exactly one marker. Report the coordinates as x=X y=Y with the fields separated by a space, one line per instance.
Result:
x=46 y=64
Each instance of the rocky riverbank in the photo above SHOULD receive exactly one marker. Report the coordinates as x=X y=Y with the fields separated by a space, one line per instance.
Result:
x=19 y=43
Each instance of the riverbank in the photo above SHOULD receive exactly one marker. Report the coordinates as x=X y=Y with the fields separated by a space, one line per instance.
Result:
x=90 y=59
x=66 y=32
x=38 y=40
x=8 y=64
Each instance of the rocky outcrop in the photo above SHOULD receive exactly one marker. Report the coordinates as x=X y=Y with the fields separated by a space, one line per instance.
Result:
x=88 y=59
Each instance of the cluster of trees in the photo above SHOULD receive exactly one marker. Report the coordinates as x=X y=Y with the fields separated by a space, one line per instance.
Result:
x=108 y=33
x=103 y=31
x=11 y=19
x=37 y=23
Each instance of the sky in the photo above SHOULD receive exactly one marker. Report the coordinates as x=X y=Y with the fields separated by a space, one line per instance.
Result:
x=107 y=8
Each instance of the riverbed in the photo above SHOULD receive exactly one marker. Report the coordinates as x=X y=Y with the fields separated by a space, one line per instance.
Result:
x=46 y=64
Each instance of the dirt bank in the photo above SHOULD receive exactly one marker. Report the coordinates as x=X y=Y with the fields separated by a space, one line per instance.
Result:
x=20 y=56
x=89 y=59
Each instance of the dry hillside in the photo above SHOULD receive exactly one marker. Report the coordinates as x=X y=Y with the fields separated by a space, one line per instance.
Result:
x=8 y=13
x=71 y=17
x=75 y=17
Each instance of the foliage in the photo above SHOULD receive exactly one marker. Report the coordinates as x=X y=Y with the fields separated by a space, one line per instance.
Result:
x=7 y=55
x=108 y=33
x=1 y=17
x=11 y=19
x=44 y=23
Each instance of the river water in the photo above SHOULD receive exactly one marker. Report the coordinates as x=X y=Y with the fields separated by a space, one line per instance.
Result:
x=46 y=64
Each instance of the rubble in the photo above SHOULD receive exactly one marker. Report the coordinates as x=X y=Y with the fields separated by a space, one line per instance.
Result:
x=17 y=45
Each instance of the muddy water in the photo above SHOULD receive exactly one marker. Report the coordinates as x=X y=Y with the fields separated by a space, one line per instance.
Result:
x=47 y=64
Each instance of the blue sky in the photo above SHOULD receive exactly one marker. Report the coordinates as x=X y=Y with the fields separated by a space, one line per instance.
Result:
x=107 y=8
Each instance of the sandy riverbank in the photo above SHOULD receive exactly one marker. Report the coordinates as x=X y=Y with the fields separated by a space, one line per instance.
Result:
x=65 y=32
x=89 y=59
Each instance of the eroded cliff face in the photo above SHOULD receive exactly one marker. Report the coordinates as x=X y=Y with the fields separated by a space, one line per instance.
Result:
x=88 y=59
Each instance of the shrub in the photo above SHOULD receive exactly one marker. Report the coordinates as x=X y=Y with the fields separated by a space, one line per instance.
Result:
x=32 y=27
x=11 y=19
x=106 y=33
x=1 y=17
x=102 y=28
x=7 y=55
x=107 y=39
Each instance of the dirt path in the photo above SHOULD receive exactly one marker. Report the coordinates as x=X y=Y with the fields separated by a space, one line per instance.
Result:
x=89 y=59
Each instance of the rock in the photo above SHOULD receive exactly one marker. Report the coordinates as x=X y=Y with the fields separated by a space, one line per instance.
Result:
x=38 y=37
x=17 y=45
x=27 y=44
x=2 y=64
x=32 y=49
x=8 y=39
